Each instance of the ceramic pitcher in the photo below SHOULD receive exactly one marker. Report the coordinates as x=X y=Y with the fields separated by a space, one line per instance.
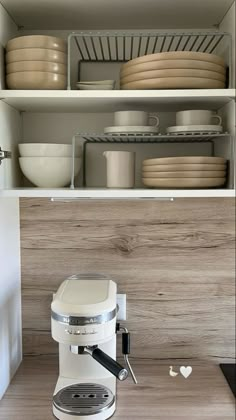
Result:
x=120 y=169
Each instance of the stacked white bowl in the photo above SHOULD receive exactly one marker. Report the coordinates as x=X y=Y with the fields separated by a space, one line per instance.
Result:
x=36 y=62
x=49 y=165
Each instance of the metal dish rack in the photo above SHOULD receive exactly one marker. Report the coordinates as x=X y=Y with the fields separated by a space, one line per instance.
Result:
x=119 y=47
x=143 y=139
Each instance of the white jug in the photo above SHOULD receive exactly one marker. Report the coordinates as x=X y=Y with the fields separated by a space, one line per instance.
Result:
x=120 y=169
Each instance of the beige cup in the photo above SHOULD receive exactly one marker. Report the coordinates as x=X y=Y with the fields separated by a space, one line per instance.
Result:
x=197 y=117
x=134 y=118
x=120 y=169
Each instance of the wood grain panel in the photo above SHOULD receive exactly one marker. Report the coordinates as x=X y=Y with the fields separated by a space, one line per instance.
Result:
x=174 y=260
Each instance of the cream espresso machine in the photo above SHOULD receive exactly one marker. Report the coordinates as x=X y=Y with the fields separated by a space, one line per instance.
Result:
x=84 y=323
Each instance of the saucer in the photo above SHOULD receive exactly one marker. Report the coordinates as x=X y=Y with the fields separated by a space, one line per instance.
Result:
x=145 y=129
x=182 y=129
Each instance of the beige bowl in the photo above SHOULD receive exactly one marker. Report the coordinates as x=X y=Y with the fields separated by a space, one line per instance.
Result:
x=184 y=182
x=176 y=55
x=152 y=74
x=185 y=174
x=48 y=172
x=185 y=159
x=183 y=167
x=36 y=80
x=36 y=66
x=48 y=150
x=37 y=41
x=172 y=64
x=175 y=83
x=36 y=54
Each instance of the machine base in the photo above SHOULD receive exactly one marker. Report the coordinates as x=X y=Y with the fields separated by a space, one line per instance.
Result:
x=84 y=401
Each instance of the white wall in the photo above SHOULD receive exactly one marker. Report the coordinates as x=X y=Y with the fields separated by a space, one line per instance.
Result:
x=10 y=287
x=8 y=29
x=10 y=291
x=228 y=25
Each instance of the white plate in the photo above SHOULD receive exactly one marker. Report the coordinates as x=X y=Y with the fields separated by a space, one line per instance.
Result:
x=131 y=129
x=97 y=82
x=181 y=129
x=95 y=87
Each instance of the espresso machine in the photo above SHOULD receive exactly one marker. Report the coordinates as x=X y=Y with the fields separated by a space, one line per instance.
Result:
x=84 y=323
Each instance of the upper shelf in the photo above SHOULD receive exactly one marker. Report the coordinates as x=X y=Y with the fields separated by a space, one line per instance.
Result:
x=115 y=100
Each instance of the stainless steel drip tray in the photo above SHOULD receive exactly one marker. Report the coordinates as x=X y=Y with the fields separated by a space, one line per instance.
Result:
x=83 y=399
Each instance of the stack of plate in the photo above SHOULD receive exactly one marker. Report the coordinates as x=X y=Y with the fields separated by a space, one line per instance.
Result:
x=184 y=172
x=174 y=70
x=36 y=62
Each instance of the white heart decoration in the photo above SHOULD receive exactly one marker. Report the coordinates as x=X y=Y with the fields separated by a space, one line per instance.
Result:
x=186 y=371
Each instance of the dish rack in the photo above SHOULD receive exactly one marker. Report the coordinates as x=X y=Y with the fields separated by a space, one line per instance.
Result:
x=142 y=139
x=119 y=47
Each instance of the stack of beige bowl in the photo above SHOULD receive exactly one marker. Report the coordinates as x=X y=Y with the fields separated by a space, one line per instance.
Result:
x=184 y=172
x=49 y=165
x=36 y=62
x=174 y=70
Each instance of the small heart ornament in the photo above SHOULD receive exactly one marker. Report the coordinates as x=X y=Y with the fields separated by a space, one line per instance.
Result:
x=186 y=371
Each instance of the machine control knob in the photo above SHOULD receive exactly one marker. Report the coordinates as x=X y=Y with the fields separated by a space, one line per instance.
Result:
x=77 y=332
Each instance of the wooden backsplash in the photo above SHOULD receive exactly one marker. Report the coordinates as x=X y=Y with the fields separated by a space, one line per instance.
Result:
x=174 y=260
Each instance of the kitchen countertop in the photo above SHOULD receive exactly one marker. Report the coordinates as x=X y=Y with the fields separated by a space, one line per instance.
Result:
x=204 y=395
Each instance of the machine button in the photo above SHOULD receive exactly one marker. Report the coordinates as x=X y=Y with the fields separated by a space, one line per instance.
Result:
x=68 y=332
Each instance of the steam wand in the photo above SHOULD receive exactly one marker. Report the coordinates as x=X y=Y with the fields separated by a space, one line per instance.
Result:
x=126 y=349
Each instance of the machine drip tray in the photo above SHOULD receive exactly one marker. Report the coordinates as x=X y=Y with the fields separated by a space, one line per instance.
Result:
x=83 y=399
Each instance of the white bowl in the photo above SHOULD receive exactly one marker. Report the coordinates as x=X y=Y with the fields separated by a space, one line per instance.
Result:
x=36 y=80
x=48 y=150
x=49 y=172
x=37 y=41
x=48 y=66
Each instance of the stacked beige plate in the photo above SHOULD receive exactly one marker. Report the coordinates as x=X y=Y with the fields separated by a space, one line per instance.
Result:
x=184 y=172
x=36 y=62
x=174 y=70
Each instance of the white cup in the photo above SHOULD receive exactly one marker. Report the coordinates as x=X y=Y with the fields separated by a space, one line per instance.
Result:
x=134 y=118
x=197 y=117
x=120 y=169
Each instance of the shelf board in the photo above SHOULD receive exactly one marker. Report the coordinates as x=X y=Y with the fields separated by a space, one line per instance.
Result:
x=105 y=193
x=113 y=100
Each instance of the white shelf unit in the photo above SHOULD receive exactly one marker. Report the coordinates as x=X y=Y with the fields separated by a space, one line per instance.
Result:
x=114 y=100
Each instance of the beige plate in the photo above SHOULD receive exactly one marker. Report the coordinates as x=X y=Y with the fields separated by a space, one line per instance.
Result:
x=177 y=55
x=36 y=54
x=203 y=167
x=175 y=83
x=37 y=66
x=36 y=80
x=184 y=159
x=172 y=64
x=152 y=74
x=184 y=182
x=37 y=41
x=185 y=174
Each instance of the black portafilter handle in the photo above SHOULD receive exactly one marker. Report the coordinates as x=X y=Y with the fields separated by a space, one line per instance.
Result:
x=108 y=363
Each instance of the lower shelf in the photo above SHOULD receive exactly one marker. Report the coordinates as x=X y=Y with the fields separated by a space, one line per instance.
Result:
x=106 y=193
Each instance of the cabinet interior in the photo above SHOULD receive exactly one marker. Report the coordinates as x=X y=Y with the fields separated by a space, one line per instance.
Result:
x=50 y=116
